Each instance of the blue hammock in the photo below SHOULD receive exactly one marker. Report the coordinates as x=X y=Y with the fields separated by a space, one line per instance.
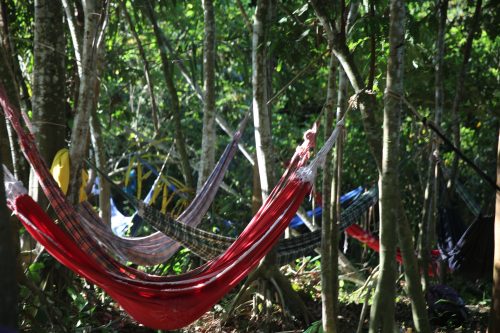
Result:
x=345 y=200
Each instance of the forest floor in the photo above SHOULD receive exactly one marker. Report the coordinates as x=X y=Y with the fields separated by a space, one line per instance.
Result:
x=348 y=321
x=350 y=307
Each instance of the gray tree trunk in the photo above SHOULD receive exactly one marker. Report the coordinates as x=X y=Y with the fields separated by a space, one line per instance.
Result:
x=329 y=230
x=48 y=99
x=100 y=150
x=208 y=143
x=366 y=104
x=383 y=308
x=94 y=25
x=429 y=215
x=261 y=115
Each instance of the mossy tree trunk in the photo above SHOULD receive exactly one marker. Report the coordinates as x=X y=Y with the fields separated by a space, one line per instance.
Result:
x=208 y=142
x=261 y=114
x=48 y=99
x=329 y=230
x=383 y=308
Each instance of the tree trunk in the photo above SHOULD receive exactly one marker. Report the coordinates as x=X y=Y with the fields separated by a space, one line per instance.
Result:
x=329 y=230
x=366 y=104
x=261 y=115
x=166 y=45
x=208 y=142
x=383 y=308
x=494 y=325
x=461 y=77
x=95 y=22
x=100 y=161
x=48 y=99
x=429 y=214
x=8 y=79
x=180 y=142
x=8 y=284
x=366 y=100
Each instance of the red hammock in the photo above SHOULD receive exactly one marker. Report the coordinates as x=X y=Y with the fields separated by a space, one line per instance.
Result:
x=365 y=237
x=174 y=301
x=156 y=301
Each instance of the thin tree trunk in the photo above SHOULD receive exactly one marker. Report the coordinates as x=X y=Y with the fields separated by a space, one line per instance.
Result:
x=461 y=77
x=261 y=117
x=373 y=44
x=180 y=142
x=147 y=75
x=366 y=104
x=366 y=100
x=75 y=32
x=9 y=289
x=48 y=100
x=208 y=143
x=100 y=161
x=94 y=26
x=329 y=230
x=16 y=161
x=383 y=308
x=164 y=46
x=494 y=325
x=429 y=216
x=411 y=270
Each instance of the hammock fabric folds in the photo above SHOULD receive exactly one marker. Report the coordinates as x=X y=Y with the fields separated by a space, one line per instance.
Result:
x=161 y=302
x=169 y=302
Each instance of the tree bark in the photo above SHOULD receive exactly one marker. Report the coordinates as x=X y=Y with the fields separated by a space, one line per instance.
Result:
x=100 y=161
x=75 y=32
x=366 y=104
x=366 y=100
x=383 y=308
x=208 y=142
x=461 y=77
x=429 y=215
x=9 y=289
x=48 y=99
x=329 y=230
x=494 y=325
x=261 y=115
x=94 y=26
